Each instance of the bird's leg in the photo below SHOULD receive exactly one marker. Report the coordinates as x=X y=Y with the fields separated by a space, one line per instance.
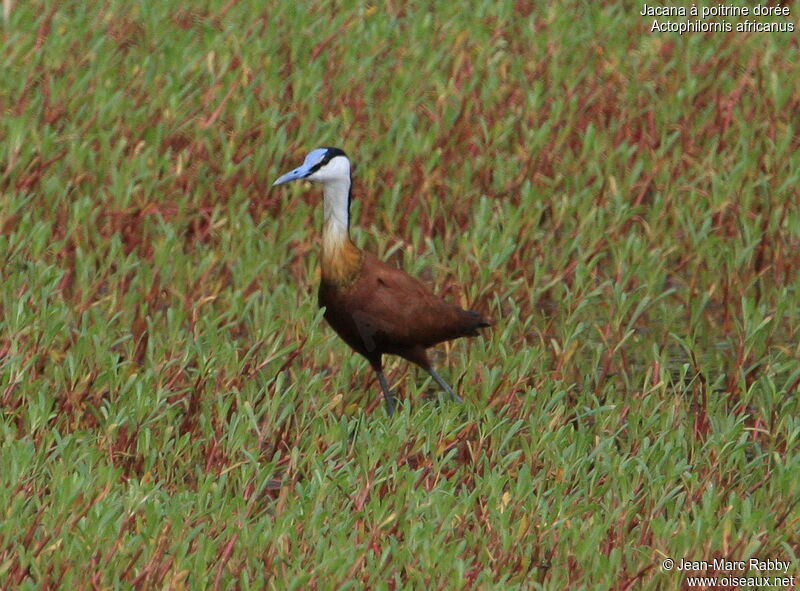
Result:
x=388 y=395
x=453 y=396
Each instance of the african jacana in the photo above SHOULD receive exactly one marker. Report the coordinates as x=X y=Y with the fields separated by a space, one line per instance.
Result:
x=376 y=308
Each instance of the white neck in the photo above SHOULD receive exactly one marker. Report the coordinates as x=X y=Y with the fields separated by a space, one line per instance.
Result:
x=337 y=218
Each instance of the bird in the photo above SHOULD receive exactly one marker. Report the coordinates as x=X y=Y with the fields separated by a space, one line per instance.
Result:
x=376 y=308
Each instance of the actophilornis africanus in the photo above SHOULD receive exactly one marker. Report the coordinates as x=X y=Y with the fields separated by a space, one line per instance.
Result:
x=376 y=308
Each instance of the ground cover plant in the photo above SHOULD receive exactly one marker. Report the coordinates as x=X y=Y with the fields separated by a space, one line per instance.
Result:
x=174 y=414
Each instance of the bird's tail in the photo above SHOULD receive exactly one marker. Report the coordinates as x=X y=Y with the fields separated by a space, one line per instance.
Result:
x=474 y=321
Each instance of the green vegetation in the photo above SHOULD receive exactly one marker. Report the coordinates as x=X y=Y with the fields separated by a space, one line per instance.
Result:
x=174 y=413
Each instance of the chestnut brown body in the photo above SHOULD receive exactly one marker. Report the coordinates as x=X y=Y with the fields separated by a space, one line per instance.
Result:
x=380 y=309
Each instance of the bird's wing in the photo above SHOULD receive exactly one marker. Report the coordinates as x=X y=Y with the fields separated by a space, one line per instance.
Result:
x=400 y=309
